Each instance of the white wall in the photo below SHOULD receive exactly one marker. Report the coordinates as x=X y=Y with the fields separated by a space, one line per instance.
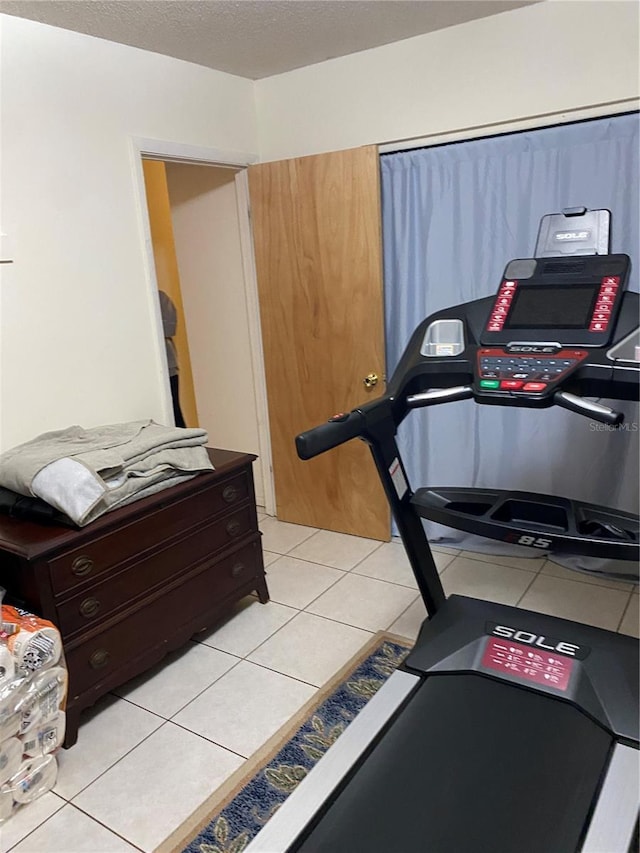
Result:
x=207 y=237
x=78 y=344
x=550 y=58
x=78 y=341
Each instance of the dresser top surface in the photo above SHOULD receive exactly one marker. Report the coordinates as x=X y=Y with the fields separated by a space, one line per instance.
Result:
x=32 y=539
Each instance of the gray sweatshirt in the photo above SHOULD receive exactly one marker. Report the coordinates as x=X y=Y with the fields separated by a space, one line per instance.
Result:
x=169 y=323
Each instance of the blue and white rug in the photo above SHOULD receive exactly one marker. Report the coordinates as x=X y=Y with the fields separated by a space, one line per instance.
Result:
x=228 y=821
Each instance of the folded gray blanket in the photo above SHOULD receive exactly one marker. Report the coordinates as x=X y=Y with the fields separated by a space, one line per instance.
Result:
x=87 y=472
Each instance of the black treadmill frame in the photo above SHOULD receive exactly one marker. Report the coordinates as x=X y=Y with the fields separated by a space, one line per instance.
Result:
x=377 y=422
x=454 y=639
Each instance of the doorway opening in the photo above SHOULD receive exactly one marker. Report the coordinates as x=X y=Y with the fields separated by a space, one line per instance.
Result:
x=201 y=252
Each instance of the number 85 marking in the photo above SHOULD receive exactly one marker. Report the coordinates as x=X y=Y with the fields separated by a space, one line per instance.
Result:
x=534 y=541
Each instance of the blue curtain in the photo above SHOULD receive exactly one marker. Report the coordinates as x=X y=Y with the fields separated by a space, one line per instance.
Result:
x=453 y=216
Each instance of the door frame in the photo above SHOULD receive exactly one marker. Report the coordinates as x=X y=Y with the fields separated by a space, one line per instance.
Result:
x=177 y=152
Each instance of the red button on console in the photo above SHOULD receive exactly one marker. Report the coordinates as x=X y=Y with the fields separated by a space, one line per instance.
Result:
x=511 y=385
x=535 y=386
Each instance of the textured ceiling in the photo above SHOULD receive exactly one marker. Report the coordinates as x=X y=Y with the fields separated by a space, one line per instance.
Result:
x=255 y=38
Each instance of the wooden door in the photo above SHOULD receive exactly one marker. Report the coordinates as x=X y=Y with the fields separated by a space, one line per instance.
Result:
x=317 y=232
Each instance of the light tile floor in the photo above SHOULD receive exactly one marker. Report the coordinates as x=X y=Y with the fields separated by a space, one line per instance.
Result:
x=148 y=756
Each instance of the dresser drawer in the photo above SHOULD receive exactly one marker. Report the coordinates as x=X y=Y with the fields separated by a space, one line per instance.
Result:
x=160 y=568
x=129 y=541
x=118 y=647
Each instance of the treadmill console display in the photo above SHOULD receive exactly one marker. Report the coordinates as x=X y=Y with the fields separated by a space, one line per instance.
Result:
x=545 y=307
x=574 y=301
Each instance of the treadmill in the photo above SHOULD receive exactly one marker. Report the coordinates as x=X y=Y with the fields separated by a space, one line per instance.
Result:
x=505 y=730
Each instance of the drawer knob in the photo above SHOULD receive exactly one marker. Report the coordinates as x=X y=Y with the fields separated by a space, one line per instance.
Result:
x=234 y=527
x=89 y=607
x=230 y=494
x=82 y=566
x=99 y=659
x=237 y=570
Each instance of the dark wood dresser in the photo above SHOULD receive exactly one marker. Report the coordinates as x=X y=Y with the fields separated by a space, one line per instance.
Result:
x=141 y=580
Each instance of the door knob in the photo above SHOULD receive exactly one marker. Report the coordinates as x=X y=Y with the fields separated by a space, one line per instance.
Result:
x=370 y=380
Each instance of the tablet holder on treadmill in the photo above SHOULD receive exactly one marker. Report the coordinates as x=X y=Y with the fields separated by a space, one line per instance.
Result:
x=575 y=231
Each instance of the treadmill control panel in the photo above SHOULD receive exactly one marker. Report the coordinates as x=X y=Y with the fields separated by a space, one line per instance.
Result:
x=574 y=300
x=501 y=370
x=530 y=663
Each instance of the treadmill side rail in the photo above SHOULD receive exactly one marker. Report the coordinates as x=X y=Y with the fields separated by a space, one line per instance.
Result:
x=616 y=814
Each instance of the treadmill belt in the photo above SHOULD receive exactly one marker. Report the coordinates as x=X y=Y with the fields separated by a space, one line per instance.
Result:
x=471 y=765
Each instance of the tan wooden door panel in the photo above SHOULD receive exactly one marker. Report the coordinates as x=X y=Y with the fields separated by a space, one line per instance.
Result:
x=317 y=233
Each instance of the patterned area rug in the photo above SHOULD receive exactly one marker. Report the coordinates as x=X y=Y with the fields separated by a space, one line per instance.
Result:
x=235 y=813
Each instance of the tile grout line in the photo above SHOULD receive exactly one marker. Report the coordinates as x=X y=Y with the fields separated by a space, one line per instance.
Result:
x=578 y=579
x=370 y=554
x=313 y=600
x=348 y=624
x=466 y=556
x=122 y=757
x=82 y=811
x=624 y=611
x=285 y=675
x=418 y=597
x=612 y=585
x=350 y=571
x=529 y=585
x=162 y=719
x=247 y=659
x=385 y=580
x=291 y=555
x=297 y=545
x=215 y=680
x=213 y=742
x=339 y=580
x=272 y=634
x=31 y=831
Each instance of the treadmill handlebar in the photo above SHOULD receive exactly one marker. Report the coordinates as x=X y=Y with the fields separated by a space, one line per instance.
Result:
x=337 y=430
x=347 y=425
x=439 y=395
x=585 y=407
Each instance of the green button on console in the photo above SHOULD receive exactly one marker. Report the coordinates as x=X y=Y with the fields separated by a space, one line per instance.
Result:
x=489 y=383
